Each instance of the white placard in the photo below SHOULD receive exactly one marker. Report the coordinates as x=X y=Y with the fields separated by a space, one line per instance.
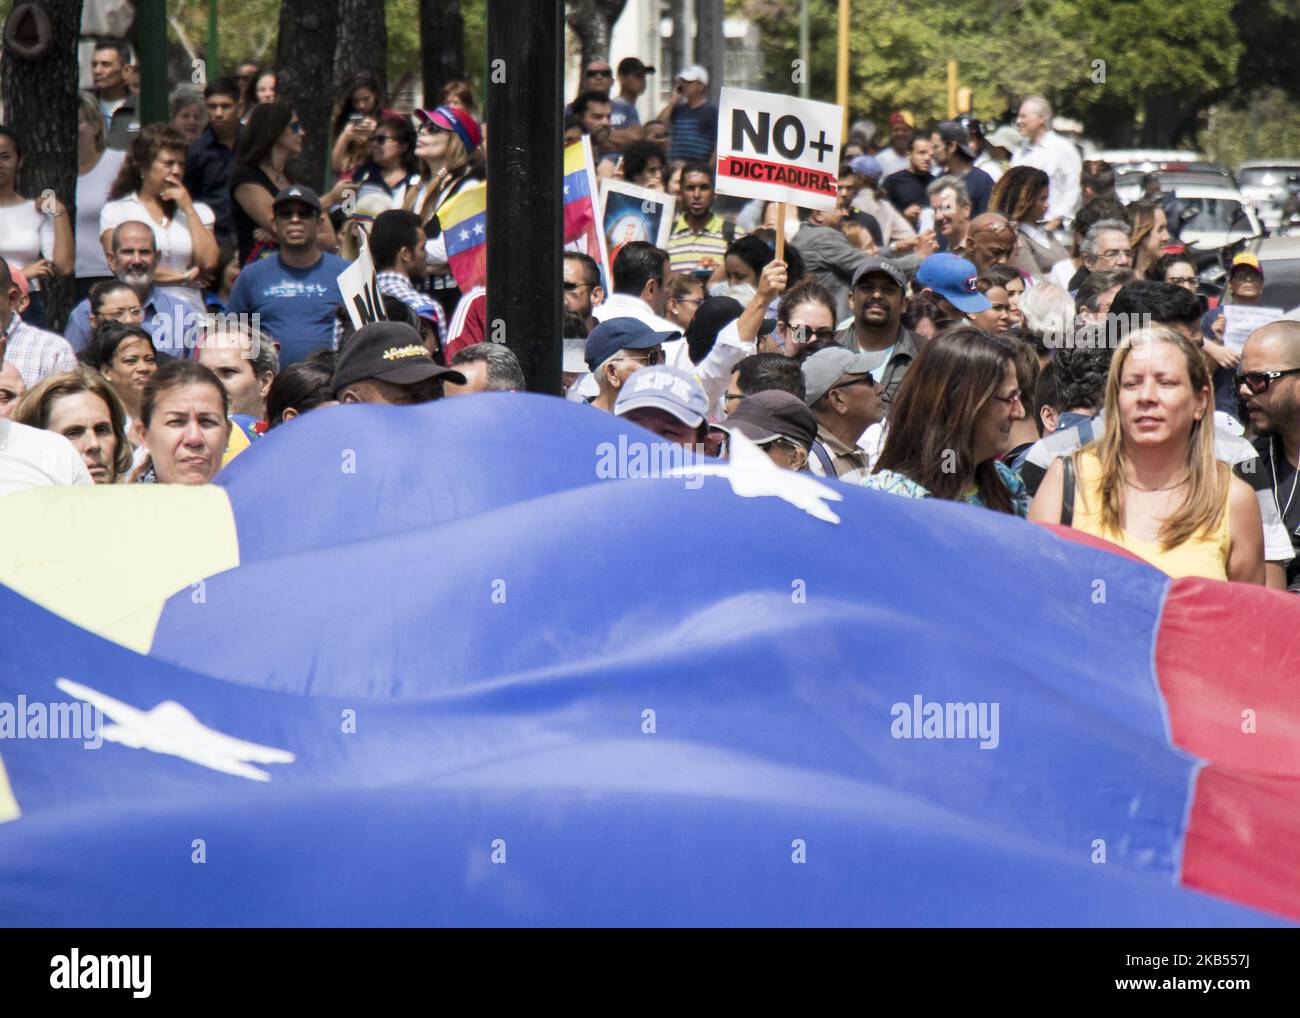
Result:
x=359 y=288
x=629 y=213
x=776 y=148
x=1240 y=320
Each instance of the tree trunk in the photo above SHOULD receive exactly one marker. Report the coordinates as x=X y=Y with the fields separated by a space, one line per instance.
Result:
x=592 y=21
x=41 y=107
x=710 y=43
x=442 y=47
x=304 y=61
x=362 y=43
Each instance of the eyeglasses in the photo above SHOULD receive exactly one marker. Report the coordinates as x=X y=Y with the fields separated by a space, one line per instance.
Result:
x=731 y=397
x=802 y=332
x=1008 y=400
x=294 y=213
x=689 y=300
x=600 y=72
x=571 y=287
x=1259 y=381
x=1188 y=281
x=651 y=357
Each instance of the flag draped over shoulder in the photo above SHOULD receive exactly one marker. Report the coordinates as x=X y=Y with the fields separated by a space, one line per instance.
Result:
x=464 y=223
x=469 y=705
x=582 y=230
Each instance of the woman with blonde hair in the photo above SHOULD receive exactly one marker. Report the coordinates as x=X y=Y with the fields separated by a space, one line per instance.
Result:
x=83 y=408
x=1151 y=483
x=447 y=139
x=1150 y=235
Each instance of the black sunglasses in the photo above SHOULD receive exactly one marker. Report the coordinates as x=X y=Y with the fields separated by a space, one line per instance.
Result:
x=1259 y=381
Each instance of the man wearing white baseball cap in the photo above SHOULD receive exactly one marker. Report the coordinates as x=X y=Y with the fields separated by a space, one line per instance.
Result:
x=690 y=116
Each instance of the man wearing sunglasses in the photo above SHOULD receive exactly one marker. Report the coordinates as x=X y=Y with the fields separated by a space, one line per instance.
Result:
x=1268 y=381
x=295 y=290
x=845 y=399
x=618 y=348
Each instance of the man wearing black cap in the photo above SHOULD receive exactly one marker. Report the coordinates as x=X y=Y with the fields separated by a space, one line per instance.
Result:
x=386 y=363
x=951 y=148
x=878 y=300
x=631 y=86
x=779 y=424
x=295 y=290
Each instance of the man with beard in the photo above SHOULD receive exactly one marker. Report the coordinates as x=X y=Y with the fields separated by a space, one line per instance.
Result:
x=990 y=240
x=950 y=148
x=1268 y=381
x=582 y=289
x=878 y=299
x=134 y=260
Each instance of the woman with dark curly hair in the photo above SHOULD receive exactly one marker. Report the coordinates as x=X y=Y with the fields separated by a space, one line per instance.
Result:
x=1021 y=196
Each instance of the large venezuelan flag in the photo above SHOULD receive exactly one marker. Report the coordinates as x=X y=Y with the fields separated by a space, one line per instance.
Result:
x=582 y=217
x=464 y=222
x=390 y=665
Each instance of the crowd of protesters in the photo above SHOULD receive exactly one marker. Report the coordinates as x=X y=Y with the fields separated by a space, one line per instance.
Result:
x=979 y=319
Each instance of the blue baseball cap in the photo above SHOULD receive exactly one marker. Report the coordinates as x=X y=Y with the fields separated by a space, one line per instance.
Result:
x=866 y=166
x=609 y=337
x=953 y=279
x=670 y=389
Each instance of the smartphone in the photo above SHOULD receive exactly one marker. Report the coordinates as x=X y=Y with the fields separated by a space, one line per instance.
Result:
x=356 y=118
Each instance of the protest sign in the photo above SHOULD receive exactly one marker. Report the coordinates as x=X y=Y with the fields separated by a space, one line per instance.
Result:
x=1240 y=320
x=359 y=288
x=776 y=148
x=634 y=213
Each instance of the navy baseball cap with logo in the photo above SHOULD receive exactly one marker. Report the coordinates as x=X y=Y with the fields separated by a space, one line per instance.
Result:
x=663 y=388
x=297 y=193
x=391 y=352
x=609 y=337
x=953 y=279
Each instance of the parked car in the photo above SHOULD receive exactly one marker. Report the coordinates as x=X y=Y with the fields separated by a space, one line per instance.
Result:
x=1279 y=257
x=1212 y=217
x=1268 y=182
x=1129 y=183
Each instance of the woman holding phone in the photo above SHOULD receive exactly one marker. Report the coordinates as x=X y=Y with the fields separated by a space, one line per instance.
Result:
x=148 y=189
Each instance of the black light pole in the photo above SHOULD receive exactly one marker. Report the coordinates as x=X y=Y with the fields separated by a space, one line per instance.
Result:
x=525 y=218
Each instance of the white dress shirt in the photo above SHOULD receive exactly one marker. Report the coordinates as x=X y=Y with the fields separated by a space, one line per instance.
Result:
x=1060 y=160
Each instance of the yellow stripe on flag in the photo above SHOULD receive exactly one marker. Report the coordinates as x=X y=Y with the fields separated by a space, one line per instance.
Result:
x=8 y=804
x=470 y=202
x=106 y=557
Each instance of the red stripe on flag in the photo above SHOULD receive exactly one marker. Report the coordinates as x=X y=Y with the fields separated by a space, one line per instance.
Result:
x=1226 y=661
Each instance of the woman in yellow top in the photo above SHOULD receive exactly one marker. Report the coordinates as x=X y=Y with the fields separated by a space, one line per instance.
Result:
x=1151 y=483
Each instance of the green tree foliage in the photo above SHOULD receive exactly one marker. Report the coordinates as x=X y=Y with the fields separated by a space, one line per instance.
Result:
x=1131 y=70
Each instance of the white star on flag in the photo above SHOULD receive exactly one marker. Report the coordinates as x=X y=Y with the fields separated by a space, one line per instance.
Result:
x=478 y=227
x=464 y=234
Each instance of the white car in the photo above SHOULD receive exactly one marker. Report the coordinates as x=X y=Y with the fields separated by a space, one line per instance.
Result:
x=1265 y=181
x=1214 y=217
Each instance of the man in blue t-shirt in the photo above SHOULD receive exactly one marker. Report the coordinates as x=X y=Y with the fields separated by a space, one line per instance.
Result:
x=692 y=118
x=295 y=290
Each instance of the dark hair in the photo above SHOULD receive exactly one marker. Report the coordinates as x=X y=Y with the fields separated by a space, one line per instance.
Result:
x=265 y=125
x=1001 y=275
x=107 y=337
x=637 y=155
x=1098 y=175
x=591 y=269
x=637 y=264
x=302 y=386
x=1026 y=335
x=1048 y=391
x=8 y=132
x=697 y=166
x=146 y=146
x=362 y=79
x=177 y=374
x=921 y=307
x=119 y=47
x=503 y=371
x=223 y=86
x=390 y=232
x=1079 y=375
x=1158 y=270
x=405 y=135
x=573 y=122
x=760 y=372
x=934 y=411
x=102 y=289
x=1013 y=195
x=752 y=251
x=1027 y=371
x=460 y=89
x=794 y=268
x=1095 y=284
x=1166 y=303
x=574 y=326
x=808 y=292
x=585 y=99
